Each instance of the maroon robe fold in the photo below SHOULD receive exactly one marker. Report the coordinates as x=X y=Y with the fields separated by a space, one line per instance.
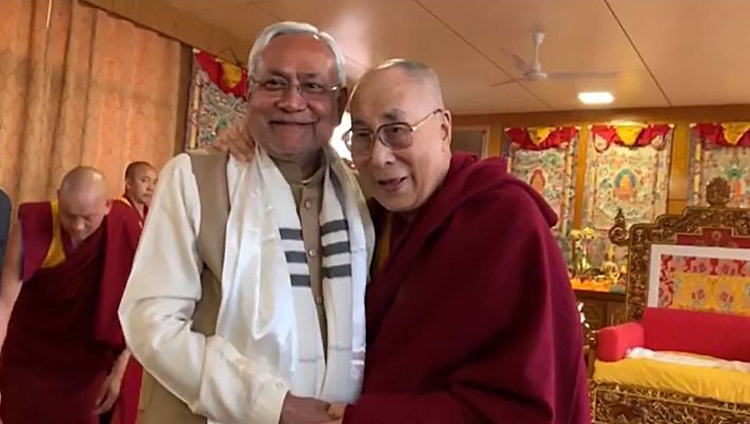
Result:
x=64 y=334
x=130 y=203
x=126 y=409
x=472 y=318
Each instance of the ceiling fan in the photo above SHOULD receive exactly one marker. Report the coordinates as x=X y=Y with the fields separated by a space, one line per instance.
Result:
x=533 y=71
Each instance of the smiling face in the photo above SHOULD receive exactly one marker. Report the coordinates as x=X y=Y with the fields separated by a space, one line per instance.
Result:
x=402 y=180
x=288 y=123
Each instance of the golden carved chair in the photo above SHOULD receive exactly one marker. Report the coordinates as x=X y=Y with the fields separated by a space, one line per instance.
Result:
x=684 y=355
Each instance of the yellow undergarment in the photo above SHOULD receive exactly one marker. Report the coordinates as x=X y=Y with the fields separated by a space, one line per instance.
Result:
x=56 y=251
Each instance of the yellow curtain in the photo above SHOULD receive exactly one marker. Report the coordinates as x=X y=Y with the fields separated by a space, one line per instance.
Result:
x=81 y=87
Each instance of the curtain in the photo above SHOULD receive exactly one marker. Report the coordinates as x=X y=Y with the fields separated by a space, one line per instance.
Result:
x=81 y=87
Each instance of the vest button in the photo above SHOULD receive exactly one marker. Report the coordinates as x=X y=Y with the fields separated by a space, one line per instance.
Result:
x=312 y=253
x=319 y=300
x=307 y=204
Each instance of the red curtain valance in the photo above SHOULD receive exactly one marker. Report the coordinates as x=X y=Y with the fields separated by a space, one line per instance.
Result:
x=730 y=134
x=541 y=138
x=633 y=136
x=230 y=78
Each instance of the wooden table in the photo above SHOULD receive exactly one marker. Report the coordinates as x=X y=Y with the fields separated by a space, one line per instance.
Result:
x=602 y=309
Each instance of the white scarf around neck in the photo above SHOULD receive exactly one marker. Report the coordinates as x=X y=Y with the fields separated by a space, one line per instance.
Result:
x=268 y=311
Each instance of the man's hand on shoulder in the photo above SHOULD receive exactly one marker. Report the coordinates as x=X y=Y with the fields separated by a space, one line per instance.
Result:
x=236 y=140
x=299 y=410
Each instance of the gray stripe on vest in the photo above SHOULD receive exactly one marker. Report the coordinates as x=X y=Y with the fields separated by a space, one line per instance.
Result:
x=290 y=233
x=296 y=257
x=336 y=248
x=337 y=271
x=337 y=225
x=300 y=280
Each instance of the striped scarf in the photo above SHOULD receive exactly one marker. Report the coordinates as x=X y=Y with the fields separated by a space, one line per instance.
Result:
x=312 y=373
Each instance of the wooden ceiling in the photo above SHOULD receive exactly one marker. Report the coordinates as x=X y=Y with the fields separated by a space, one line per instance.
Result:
x=665 y=52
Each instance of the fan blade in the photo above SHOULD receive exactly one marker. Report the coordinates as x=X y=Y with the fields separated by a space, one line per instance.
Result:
x=510 y=81
x=572 y=75
x=517 y=61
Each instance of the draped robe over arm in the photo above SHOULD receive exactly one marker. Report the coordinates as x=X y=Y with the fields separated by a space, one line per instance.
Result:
x=472 y=318
x=64 y=334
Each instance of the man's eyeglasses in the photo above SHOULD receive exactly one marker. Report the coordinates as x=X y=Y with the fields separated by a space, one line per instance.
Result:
x=395 y=136
x=278 y=86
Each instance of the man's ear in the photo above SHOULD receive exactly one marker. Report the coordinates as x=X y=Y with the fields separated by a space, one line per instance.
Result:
x=446 y=127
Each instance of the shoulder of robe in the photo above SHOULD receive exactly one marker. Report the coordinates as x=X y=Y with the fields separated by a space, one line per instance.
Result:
x=509 y=207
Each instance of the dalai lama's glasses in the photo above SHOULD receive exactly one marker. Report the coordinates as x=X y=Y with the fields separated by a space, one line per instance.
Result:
x=395 y=136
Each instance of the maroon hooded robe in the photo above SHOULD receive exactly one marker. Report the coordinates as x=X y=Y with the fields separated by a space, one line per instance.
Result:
x=472 y=318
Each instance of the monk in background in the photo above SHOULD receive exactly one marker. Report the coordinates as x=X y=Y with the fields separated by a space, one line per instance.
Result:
x=140 y=183
x=66 y=265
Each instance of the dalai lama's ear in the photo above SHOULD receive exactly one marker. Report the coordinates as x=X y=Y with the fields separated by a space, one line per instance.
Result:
x=446 y=127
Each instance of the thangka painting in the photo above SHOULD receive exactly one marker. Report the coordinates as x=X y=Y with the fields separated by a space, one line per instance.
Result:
x=698 y=278
x=627 y=168
x=546 y=159
x=720 y=150
x=217 y=98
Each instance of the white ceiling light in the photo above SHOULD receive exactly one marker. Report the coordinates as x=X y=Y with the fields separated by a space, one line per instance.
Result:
x=596 y=97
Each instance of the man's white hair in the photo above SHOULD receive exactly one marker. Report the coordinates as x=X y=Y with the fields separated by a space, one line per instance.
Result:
x=282 y=28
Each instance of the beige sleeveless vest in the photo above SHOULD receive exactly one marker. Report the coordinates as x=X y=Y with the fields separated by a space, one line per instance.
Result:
x=157 y=404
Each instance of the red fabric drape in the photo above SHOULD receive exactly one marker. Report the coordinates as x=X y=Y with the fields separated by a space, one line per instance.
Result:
x=637 y=137
x=528 y=138
x=228 y=77
x=715 y=134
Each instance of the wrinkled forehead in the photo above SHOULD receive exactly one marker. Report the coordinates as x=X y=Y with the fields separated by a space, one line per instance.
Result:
x=298 y=56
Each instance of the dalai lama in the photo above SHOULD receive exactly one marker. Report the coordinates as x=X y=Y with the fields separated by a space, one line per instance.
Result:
x=67 y=262
x=470 y=315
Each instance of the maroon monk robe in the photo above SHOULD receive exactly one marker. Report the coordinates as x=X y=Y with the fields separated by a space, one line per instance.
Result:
x=126 y=409
x=131 y=203
x=472 y=318
x=64 y=334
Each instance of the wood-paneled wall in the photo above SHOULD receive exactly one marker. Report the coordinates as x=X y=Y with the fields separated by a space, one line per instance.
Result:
x=681 y=117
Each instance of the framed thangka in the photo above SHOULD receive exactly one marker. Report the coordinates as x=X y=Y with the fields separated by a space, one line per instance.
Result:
x=720 y=150
x=217 y=98
x=546 y=159
x=627 y=167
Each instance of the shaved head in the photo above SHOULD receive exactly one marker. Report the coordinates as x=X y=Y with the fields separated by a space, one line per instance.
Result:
x=83 y=202
x=420 y=75
x=82 y=178
x=136 y=168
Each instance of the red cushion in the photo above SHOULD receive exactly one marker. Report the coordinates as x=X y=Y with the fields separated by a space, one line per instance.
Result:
x=614 y=342
x=718 y=335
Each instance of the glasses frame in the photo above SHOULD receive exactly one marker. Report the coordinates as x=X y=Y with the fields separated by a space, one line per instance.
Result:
x=377 y=134
x=327 y=89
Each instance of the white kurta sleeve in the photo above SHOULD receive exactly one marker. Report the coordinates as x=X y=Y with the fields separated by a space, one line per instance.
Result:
x=207 y=373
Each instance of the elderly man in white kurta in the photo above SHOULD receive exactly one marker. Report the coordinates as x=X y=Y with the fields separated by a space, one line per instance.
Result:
x=246 y=300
